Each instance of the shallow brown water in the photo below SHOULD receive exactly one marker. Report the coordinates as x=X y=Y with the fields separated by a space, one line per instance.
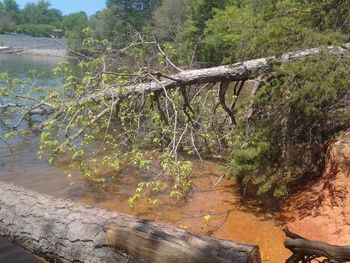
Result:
x=230 y=220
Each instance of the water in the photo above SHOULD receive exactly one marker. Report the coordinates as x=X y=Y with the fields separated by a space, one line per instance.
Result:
x=28 y=42
x=229 y=219
x=10 y=253
x=15 y=162
x=24 y=67
x=19 y=163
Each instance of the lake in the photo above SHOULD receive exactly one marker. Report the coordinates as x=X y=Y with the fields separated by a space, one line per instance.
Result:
x=232 y=220
x=22 y=67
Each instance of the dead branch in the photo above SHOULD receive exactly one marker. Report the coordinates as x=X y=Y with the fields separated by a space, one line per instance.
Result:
x=167 y=58
x=237 y=91
x=26 y=114
x=187 y=109
x=11 y=105
x=305 y=250
x=222 y=99
x=7 y=144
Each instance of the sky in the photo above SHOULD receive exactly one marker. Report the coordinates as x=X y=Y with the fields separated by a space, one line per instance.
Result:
x=71 y=6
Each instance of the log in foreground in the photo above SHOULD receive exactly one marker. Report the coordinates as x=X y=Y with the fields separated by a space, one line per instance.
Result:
x=64 y=231
x=306 y=250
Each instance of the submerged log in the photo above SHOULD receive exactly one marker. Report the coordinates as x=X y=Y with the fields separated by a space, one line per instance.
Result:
x=64 y=231
x=305 y=250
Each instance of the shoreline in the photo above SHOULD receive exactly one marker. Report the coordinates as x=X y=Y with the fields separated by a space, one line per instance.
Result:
x=34 y=46
x=45 y=53
x=35 y=52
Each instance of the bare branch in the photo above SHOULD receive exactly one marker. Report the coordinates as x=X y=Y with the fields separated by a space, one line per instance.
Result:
x=7 y=144
x=72 y=50
x=222 y=99
x=167 y=58
x=29 y=112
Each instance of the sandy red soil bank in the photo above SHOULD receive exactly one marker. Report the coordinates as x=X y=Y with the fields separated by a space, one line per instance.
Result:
x=322 y=210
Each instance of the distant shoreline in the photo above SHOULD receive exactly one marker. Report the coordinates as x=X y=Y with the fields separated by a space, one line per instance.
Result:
x=35 y=52
x=25 y=45
x=44 y=52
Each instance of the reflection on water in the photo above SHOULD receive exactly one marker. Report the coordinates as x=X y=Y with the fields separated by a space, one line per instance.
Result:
x=229 y=220
x=19 y=163
x=30 y=67
x=15 y=162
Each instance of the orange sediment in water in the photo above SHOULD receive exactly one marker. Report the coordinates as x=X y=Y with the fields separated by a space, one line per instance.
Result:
x=220 y=202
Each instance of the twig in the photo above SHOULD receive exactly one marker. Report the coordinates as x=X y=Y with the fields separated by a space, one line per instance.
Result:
x=219 y=180
x=25 y=115
x=179 y=140
x=72 y=50
x=194 y=146
x=167 y=58
x=222 y=99
x=82 y=130
x=7 y=144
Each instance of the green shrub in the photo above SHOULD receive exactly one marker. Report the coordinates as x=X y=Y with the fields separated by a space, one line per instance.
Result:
x=304 y=106
x=40 y=30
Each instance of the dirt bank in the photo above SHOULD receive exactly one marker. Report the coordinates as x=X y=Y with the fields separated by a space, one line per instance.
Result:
x=322 y=210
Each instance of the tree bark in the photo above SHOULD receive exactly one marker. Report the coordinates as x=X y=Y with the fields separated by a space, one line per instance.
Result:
x=304 y=247
x=64 y=231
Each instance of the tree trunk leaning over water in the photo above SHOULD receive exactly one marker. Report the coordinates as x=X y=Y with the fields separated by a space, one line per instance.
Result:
x=64 y=231
x=241 y=71
x=250 y=69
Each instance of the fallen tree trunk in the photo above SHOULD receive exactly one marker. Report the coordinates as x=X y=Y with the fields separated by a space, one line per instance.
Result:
x=64 y=231
x=241 y=71
x=306 y=250
x=250 y=69
x=172 y=246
